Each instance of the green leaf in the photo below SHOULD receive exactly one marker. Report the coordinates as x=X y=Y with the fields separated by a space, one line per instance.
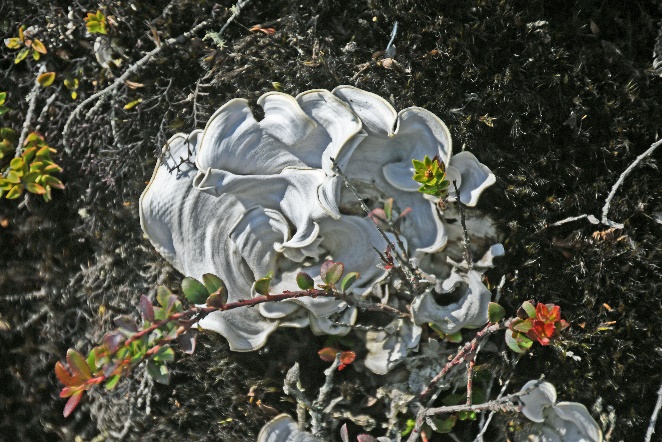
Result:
x=409 y=426
x=162 y=295
x=92 y=359
x=529 y=309
x=388 y=209
x=158 y=372
x=262 y=285
x=305 y=281
x=165 y=354
x=3 y=97
x=455 y=338
x=519 y=345
x=78 y=364
x=348 y=281
x=523 y=326
x=495 y=312
x=112 y=382
x=3 y=110
x=331 y=272
x=212 y=283
x=194 y=291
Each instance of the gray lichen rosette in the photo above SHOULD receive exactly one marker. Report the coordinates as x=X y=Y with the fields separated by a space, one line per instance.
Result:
x=553 y=421
x=264 y=196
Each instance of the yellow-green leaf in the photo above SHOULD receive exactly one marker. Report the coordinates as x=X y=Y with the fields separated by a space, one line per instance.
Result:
x=46 y=79
x=21 y=55
x=71 y=84
x=13 y=43
x=38 y=46
x=36 y=55
x=16 y=163
x=74 y=95
x=13 y=177
x=132 y=104
x=15 y=192
x=3 y=97
x=36 y=188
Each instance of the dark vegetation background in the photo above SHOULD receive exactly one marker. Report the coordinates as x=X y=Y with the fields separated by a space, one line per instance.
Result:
x=557 y=98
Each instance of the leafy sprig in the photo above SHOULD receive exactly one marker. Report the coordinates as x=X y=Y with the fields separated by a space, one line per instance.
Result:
x=431 y=174
x=130 y=344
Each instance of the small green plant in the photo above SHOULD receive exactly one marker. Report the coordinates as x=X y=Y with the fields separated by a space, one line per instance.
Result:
x=96 y=23
x=25 y=46
x=32 y=171
x=431 y=174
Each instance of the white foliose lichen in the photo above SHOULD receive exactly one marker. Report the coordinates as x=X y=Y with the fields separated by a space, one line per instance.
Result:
x=264 y=196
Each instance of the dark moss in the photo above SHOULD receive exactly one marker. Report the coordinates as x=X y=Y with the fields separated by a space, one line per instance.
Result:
x=558 y=98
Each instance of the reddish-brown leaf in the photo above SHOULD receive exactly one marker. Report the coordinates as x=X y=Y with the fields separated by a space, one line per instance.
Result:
x=328 y=354
x=63 y=374
x=72 y=403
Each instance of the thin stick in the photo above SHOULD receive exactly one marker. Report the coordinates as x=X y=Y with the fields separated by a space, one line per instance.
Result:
x=656 y=411
x=404 y=264
x=626 y=172
x=463 y=353
x=28 y=117
x=465 y=234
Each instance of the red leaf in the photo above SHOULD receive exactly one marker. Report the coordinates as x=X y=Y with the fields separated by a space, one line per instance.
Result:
x=347 y=357
x=72 y=403
x=328 y=354
x=63 y=374
x=69 y=391
x=146 y=308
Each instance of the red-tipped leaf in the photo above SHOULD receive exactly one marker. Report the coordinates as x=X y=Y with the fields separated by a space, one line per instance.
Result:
x=72 y=403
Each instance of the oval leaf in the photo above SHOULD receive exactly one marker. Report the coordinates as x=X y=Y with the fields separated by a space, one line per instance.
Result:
x=328 y=354
x=262 y=285
x=212 y=283
x=46 y=79
x=305 y=281
x=38 y=46
x=162 y=295
x=348 y=281
x=194 y=291
x=63 y=375
x=529 y=309
x=146 y=308
x=158 y=372
x=112 y=382
x=495 y=312
x=72 y=403
x=78 y=364
x=187 y=341
x=331 y=272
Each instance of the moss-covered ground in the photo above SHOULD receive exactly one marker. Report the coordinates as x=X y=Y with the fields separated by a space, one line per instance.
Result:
x=556 y=97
